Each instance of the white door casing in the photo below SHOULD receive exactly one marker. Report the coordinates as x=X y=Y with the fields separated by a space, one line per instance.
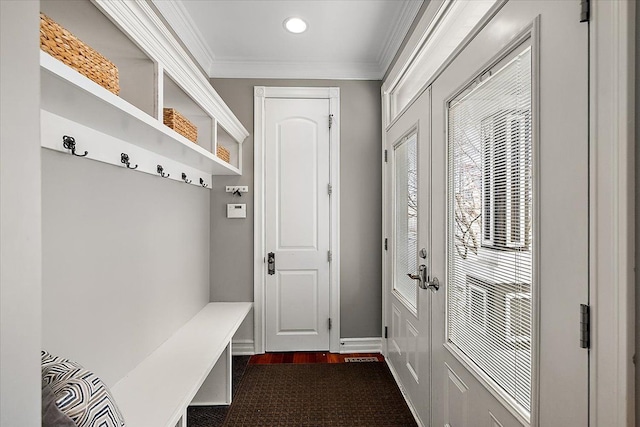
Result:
x=296 y=219
x=464 y=395
x=297 y=224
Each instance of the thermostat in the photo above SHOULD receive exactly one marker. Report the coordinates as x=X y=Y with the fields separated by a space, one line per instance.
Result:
x=236 y=210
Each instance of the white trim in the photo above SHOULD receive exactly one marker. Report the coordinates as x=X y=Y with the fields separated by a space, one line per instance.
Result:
x=385 y=235
x=404 y=393
x=612 y=145
x=243 y=347
x=361 y=345
x=260 y=94
x=140 y=22
x=231 y=68
x=180 y=20
x=398 y=33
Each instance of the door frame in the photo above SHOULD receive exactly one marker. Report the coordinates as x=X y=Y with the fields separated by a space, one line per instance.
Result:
x=260 y=94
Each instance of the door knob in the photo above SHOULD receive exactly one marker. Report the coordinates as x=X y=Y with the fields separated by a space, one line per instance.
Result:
x=271 y=263
x=424 y=281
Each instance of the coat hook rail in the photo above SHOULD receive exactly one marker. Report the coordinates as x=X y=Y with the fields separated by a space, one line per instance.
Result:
x=69 y=143
x=204 y=184
x=124 y=159
x=184 y=178
x=160 y=170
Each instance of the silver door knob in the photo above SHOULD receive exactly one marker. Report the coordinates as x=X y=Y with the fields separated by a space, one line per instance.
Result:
x=433 y=284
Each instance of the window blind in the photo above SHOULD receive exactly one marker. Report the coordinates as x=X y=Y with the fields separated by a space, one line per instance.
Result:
x=406 y=218
x=489 y=245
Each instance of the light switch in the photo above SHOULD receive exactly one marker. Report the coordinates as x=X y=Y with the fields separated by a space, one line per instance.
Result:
x=236 y=210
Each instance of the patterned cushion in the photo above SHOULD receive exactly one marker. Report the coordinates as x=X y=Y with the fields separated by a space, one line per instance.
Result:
x=52 y=416
x=79 y=393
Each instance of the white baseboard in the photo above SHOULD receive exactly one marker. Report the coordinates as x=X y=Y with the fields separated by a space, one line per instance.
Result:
x=242 y=348
x=404 y=394
x=361 y=345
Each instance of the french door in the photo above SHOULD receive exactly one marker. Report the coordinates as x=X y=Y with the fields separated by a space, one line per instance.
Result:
x=501 y=210
x=510 y=225
x=407 y=215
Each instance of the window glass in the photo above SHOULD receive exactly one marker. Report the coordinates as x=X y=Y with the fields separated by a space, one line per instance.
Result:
x=406 y=218
x=490 y=259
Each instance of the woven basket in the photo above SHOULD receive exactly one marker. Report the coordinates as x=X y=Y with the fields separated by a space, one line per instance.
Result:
x=222 y=153
x=64 y=46
x=180 y=124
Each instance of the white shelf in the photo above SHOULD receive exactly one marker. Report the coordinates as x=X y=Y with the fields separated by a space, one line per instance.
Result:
x=69 y=94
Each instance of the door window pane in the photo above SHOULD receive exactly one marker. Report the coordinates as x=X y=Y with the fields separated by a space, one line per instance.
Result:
x=490 y=260
x=406 y=218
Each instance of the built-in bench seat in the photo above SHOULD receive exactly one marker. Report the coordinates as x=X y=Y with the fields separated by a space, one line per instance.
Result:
x=193 y=367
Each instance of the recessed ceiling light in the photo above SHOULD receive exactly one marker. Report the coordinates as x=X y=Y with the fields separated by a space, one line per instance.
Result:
x=295 y=25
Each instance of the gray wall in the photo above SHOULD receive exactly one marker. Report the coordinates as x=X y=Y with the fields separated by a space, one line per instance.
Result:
x=637 y=266
x=360 y=206
x=125 y=261
x=20 y=273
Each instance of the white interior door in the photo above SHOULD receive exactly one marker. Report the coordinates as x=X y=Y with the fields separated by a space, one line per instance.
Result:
x=510 y=230
x=297 y=222
x=407 y=215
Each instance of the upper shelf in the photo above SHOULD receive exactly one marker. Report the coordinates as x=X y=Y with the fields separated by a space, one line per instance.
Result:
x=67 y=93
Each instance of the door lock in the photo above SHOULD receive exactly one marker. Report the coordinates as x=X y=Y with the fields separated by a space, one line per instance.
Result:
x=271 y=263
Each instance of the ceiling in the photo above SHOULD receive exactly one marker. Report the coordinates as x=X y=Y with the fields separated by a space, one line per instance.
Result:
x=346 y=39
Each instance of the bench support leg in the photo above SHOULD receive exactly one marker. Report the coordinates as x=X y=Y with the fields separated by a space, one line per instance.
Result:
x=216 y=389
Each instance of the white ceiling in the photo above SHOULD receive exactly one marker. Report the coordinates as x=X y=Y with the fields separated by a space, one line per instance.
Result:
x=346 y=39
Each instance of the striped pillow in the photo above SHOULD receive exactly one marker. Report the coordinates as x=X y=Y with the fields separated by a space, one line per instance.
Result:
x=80 y=394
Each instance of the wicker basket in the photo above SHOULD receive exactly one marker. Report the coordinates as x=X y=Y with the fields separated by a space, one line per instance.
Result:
x=180 y=124
x=64 y=46
x=222 y=153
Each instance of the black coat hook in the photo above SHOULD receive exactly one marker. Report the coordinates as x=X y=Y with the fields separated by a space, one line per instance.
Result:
x=69 y=143
x=160 y=170
x=124 y=158
x=184 y=178
x=204 y=184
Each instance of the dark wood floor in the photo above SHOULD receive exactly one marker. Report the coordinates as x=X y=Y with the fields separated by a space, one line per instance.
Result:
x=307 y=357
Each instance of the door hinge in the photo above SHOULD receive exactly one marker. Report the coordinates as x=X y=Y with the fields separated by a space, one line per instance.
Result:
x=584 y=10
x=386 y=332
x=386 y=155
x=330 y=323
x=329 y=189
x=585 y=326
x=329 y=256
x=330 y=120
x=386 y=244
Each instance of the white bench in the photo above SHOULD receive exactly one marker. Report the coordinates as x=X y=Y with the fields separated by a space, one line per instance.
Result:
x=193 y=367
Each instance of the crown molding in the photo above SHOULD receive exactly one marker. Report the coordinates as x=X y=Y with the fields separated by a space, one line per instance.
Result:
x=296 y=70
x=399 y=30
x=187 y=31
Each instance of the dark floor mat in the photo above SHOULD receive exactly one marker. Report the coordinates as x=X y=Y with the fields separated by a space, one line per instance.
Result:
x=349 y=394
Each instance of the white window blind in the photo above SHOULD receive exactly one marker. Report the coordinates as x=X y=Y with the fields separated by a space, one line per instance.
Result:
x=406 y=218
x=490 y=259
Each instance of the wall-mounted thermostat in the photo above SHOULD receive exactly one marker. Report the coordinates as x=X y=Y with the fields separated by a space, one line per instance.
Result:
x=236 y=210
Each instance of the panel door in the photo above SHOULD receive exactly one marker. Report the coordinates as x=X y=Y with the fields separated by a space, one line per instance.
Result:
x=297 y=222
x=408 y=306
x=510 y=229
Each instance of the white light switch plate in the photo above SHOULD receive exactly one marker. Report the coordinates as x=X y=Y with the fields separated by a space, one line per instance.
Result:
x=236 y=210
